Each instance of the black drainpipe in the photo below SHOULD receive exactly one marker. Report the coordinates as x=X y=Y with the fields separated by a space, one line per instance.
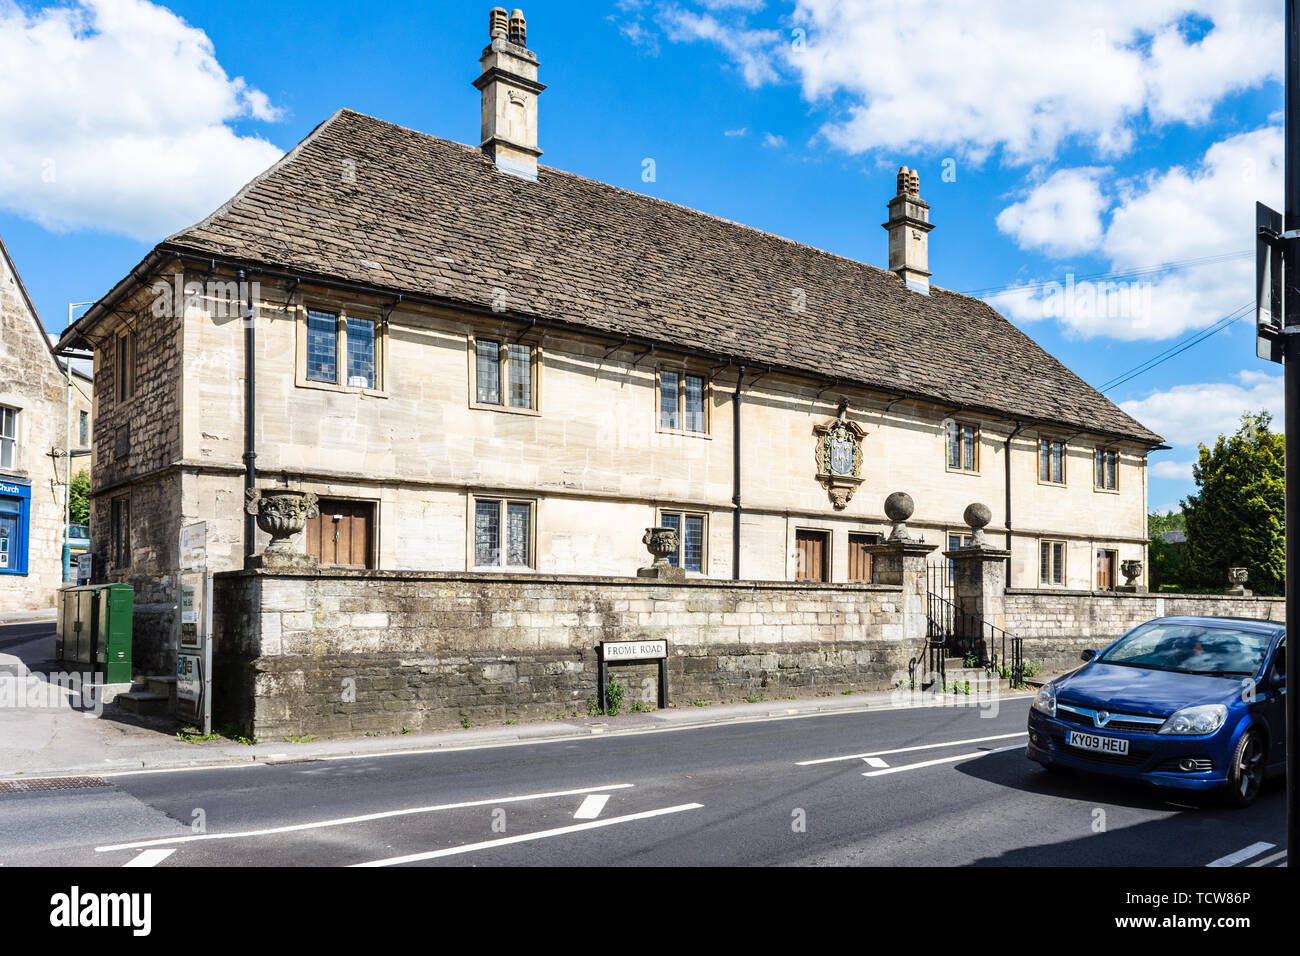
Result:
x=735 y=460
x=1006 y=463
x=250 y=422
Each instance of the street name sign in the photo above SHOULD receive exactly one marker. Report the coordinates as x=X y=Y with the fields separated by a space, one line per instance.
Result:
x=620 y=651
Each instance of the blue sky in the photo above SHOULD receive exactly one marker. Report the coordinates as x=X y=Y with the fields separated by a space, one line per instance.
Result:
x=1114 y=140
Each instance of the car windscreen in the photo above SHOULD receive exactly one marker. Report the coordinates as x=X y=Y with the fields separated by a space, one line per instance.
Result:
x=1192 y=649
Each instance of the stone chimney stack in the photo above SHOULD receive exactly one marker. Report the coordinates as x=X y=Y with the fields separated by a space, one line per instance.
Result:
x=908 y=227
x=510 y=90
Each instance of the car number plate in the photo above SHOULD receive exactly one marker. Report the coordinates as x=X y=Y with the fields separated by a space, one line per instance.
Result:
x=1105 y=745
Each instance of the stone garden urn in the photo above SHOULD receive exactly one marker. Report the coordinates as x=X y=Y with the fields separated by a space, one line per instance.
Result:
x=1130 y=569
x=281 y=513
x=661 y=542
x=1237 y=577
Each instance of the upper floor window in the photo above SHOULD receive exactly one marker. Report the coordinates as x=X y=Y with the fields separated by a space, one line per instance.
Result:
x=120 y=526
x=1106 y=462
x=8 y=437
x=963 y=447
x=504 y=374
x=683 y=402
x=1051 y=461
x=125 y=365
x=83 y=429
x=343 y=350
x=690 y=539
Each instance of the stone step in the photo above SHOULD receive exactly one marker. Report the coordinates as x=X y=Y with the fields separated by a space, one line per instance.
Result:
x=145 y=703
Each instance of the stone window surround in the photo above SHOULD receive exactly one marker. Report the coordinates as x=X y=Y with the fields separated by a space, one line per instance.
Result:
x=124 y=389
x=978 y=441
x=1065 y=459
x=343 y=311
x=471 y=507
x=1064 y=568
x=13 y=439
x=1118 y=458
x=683 y=368
x=704 y=534
x=505 y=340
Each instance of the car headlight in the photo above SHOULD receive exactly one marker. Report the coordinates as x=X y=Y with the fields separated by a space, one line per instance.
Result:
x=1045 y=702
x=1196 y=721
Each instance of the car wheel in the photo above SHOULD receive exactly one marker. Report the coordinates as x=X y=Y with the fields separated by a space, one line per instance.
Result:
x=1246 y=771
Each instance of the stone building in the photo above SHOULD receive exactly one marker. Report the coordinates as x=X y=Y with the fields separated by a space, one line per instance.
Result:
x=482 y=364
x=34 y=417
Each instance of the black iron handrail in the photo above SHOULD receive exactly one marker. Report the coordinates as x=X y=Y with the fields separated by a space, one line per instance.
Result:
x=950 y=628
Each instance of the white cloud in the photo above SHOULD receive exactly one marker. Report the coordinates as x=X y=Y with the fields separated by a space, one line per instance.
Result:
x=1061 y=216
x=1192 y=414
x=1173 y=470
x=1016 y=75
x=772 y=141
x=1178 y=215
x=114 y=115
x=736 y=132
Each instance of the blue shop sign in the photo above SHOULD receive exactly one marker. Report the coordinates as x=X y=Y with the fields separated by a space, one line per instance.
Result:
x=15 y=518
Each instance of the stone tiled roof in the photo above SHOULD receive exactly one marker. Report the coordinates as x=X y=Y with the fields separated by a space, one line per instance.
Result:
x=369 y=202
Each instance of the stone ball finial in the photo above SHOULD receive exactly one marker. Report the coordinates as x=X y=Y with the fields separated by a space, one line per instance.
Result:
x=899 y=506
x=977 y=515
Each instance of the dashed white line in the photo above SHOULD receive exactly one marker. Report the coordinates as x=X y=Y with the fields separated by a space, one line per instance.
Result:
x=1245 y=853
x=149 y=857
x=904 y=750
x=527 y=837
x=364 y=818
x=875 y=762
x=591 y=806
x=941 y=760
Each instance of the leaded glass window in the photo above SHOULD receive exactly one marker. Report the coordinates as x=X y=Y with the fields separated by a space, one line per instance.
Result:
x=322 y=346
x=361 y=353
x=503 y=533
x=669 y=386
x=1107 y=466
x=519 y=360
x=961 y=447
x=487 y=533
x=690 y=540
x=487 y=371
x=1051 y=461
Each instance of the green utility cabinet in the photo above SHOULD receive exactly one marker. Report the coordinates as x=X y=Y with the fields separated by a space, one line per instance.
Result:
x=93 y=630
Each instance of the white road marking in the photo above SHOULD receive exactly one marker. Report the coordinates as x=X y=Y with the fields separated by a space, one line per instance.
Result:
x=591 y=806
x=904 y=750
x=1232 y=859
x=364 y=818
x=527 y=837
x=875 y=762
x=1279 y=855
x=935 y=763
x=149 y=857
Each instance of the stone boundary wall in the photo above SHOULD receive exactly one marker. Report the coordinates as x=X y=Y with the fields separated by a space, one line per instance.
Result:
x=341 y=652
x=1059 y=625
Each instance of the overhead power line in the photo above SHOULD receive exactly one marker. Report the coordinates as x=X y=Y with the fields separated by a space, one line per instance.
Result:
x=1179 y=348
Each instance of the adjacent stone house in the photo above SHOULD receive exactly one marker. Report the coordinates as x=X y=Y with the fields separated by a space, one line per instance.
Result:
x=34 y=419
x=482 y=364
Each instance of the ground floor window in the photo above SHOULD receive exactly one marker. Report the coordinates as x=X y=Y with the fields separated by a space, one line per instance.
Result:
x=15 y=500
x=860 y=557
x=342 y=535
x=503 y=533
x=812 y=555
x=1051 y=562
x=690 y=539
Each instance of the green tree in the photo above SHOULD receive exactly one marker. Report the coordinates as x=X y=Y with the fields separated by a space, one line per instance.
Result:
x=1236 y=518
x=79 y=497
x=1167 y=558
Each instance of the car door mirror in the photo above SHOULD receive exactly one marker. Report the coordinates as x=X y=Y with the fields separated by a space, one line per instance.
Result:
x=1089 y=654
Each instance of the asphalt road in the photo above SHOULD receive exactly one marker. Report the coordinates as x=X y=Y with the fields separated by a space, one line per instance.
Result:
x=942 y=786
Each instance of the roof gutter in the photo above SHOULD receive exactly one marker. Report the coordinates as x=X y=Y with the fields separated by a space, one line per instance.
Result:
x=164 y=251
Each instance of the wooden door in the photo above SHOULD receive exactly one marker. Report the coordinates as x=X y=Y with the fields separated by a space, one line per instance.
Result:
x=812 y=555
x=1105 y=570
x=343 y=533
x=860 y=558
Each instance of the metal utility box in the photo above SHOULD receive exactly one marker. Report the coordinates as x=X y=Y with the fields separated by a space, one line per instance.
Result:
x=93 y=630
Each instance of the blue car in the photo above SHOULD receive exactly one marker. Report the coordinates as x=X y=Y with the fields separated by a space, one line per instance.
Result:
x=1197 y=703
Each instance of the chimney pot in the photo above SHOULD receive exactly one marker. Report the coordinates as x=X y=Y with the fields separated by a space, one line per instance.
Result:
x=497 y=24
x=509 y=86
x=518 y=29
x=909 y=227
